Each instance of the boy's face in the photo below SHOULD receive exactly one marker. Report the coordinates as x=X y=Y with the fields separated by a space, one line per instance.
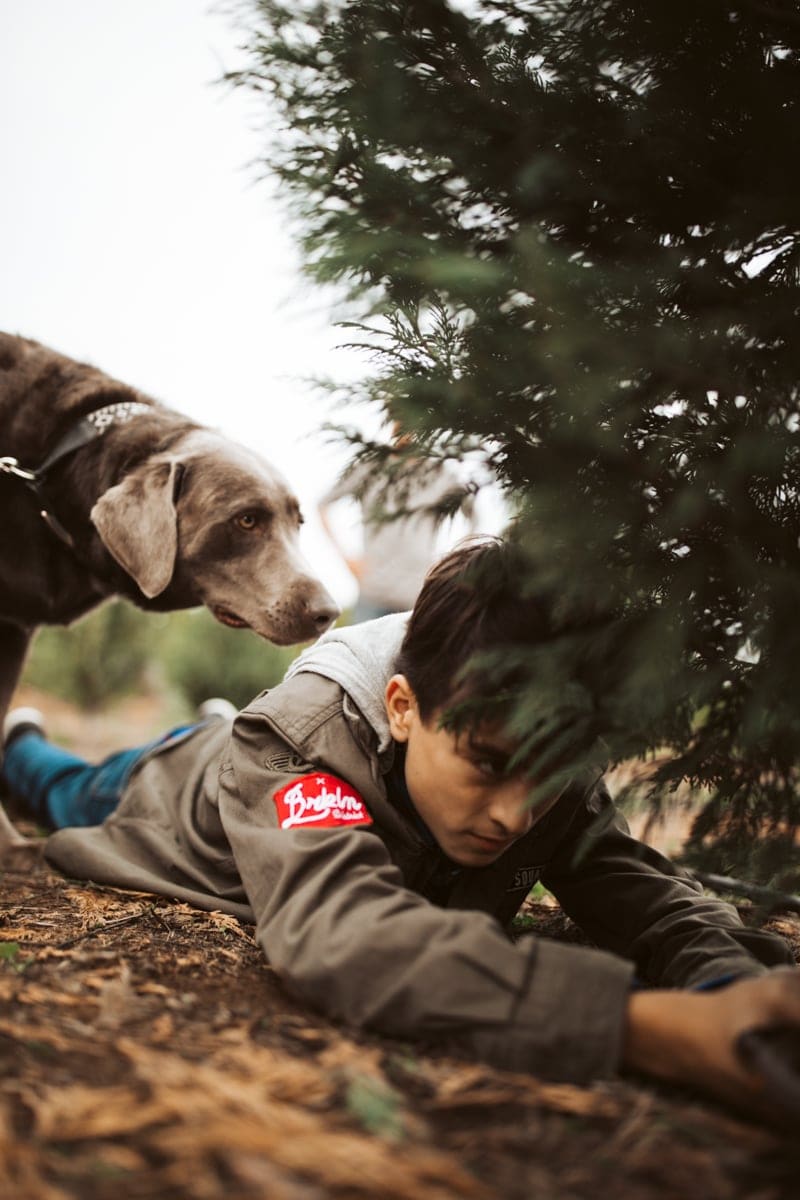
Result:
x=458 y=785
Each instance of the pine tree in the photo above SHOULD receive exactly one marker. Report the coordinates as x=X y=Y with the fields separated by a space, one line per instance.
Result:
x=571 y=233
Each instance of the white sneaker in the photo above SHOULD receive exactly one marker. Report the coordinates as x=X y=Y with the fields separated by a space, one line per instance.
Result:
x=22 y=720
x=217 y=707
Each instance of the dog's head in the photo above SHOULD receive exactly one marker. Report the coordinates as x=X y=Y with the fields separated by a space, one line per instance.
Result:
x=212 y=523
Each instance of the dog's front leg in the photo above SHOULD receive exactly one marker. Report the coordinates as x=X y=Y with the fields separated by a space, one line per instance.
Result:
x=13 y=845
x=14 y=641
x=13 y=648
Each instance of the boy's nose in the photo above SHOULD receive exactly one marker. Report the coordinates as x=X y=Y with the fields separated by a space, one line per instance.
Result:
x=510 y=809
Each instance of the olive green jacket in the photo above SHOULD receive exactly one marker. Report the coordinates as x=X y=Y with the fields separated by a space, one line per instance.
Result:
x=341 y=911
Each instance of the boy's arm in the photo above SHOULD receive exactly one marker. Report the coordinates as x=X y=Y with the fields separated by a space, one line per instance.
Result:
x=631 y=900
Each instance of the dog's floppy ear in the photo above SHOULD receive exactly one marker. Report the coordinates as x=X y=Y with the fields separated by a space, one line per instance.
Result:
x=138 y=524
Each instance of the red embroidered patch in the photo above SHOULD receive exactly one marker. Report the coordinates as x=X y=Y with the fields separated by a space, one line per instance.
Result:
x=320 y=800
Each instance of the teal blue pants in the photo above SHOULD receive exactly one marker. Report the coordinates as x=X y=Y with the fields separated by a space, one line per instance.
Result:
x=61 y=790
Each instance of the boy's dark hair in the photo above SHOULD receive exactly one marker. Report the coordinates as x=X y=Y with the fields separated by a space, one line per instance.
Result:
x=473 y=601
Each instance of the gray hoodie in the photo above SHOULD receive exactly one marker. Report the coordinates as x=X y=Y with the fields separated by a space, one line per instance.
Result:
x=361 y=659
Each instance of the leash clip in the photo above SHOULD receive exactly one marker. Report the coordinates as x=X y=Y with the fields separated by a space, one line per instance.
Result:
x=10 y=466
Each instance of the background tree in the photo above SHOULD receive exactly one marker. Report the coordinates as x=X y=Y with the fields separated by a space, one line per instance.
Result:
x=570 y=233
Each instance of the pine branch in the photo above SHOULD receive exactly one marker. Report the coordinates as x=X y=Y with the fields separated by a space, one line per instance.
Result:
x=764 y=896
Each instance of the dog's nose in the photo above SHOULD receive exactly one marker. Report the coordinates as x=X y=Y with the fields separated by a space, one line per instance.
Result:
x=322 y=615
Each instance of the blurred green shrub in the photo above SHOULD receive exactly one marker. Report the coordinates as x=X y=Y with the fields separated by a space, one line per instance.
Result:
x=202 y=658
x=118 y=649
x=100 y=657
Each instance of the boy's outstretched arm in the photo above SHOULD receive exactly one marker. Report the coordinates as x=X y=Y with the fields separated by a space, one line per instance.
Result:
x=691 y=1037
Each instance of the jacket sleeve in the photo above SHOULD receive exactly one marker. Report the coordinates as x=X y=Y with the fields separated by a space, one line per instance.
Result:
x=631 y=900
x=336 y=921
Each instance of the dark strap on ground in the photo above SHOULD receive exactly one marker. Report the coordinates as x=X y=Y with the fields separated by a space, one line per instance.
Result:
x=774 y=1054
x=766 y=896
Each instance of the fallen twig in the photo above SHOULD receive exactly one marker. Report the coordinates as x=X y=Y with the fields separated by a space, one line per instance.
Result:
x=101 y=928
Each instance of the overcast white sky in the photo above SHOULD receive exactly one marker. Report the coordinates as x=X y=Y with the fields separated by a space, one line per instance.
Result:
x=135 y=235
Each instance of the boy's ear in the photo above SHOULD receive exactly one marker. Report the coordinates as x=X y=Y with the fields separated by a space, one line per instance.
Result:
x=401 y=707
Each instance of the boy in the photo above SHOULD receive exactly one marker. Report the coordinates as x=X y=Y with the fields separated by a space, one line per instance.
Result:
x=380 y=853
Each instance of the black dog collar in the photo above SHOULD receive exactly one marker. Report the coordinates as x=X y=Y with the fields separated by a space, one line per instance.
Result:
x=89 y=427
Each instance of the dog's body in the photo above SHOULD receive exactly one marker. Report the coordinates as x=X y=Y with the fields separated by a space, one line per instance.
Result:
x=154 y=508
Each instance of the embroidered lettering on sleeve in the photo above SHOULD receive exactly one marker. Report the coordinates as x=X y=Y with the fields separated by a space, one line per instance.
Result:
x=320 y=801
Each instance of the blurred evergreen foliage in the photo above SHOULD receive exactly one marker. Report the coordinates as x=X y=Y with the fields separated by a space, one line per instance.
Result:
x=118 y=649
x=97 y=659
x=571 y=240
x=202 y=658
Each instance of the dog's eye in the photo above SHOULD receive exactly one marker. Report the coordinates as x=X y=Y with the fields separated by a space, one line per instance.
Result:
x=247 y=521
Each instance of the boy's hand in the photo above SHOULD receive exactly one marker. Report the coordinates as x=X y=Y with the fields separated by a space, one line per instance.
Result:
x=694 y=1038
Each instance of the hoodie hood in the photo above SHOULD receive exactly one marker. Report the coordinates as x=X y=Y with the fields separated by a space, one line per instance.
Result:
x=361 y=659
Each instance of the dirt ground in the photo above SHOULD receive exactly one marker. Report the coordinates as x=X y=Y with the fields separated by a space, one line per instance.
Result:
x=148 y=1050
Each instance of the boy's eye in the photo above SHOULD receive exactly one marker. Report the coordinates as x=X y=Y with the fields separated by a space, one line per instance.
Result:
x=492 y=768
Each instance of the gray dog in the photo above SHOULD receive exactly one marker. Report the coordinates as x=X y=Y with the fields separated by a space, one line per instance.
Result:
x=106 y=492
